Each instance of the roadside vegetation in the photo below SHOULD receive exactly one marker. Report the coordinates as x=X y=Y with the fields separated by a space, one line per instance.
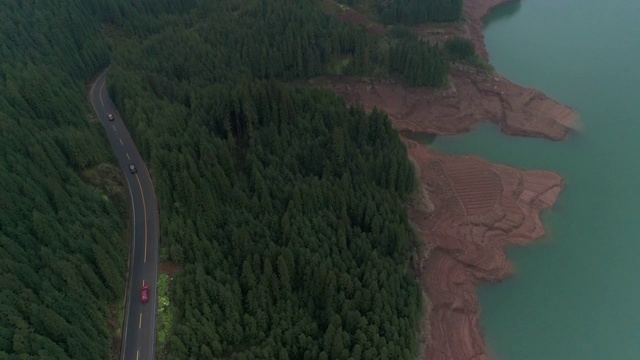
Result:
x=62 y=252
x=165 y=314
x=283 y=207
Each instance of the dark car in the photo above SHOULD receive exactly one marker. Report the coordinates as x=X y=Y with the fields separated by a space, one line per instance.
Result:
x=144 y=294
x=132 y=168
x=110 y=116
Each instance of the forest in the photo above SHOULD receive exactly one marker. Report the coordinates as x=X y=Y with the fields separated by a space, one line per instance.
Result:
x=281 y=39
x=62 y=253
x=283 y=206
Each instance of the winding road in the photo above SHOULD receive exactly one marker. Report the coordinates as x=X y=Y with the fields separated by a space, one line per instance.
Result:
x=139 y=330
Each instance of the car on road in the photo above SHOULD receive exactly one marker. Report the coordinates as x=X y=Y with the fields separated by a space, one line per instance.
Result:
x=132 y=168
x=144 y=294
x=110 y=116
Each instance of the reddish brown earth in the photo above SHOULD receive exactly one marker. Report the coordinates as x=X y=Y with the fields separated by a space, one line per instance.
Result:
x=477 y=208
x=169 y=268
x=471 y=99
x=480 y=208
x=356 y=18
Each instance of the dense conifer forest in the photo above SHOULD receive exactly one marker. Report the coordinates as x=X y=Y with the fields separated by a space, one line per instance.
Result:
x=283 y=206
x=63 y=210
x=283 y=39
x=62 y=255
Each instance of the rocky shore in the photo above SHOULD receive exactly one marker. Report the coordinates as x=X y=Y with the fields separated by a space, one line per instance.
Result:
x=478 y=208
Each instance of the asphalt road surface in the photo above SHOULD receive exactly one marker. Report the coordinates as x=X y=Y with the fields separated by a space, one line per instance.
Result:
x=138 y=331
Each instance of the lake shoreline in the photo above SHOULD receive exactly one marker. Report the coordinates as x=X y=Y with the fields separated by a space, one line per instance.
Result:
x=479 y=209
x=468 y=224
x=473 y=222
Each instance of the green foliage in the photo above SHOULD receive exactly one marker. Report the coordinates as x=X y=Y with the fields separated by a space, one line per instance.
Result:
x=165 y=310
x=284 y=208
x=225 y=41
x=401 y=32
x=420 y=63
x=459 y=48
x=339 y=67
x=62 y=256
x=281 y=39
x=463 y=50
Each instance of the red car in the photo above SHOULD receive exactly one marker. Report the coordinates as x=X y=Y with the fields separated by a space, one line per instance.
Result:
x=110 y=116
x=144 y=294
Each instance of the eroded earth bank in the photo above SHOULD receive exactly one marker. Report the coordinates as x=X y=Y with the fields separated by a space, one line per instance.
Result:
x=478 y=208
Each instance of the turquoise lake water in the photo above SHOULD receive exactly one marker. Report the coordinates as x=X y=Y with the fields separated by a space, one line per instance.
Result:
x=576 y=290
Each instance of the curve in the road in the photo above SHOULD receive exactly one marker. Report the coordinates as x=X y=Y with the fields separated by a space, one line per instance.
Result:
x=138 y=335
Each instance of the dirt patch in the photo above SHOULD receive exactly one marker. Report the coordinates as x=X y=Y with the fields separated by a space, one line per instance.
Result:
x=480 y=208
x=170 y=268
x=349 y=15
x=438 y=33
x=355 y=18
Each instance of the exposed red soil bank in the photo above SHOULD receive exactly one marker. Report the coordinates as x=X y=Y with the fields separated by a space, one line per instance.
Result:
x=479 y=208
x=471 y=99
